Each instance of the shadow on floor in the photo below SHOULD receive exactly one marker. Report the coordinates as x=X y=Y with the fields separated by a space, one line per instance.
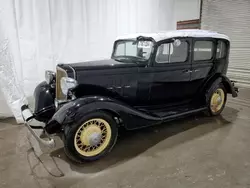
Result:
x=133 y=143
x=9 y=120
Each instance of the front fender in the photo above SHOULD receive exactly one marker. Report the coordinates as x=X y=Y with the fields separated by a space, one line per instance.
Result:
x=74 y=111
x=44 y=96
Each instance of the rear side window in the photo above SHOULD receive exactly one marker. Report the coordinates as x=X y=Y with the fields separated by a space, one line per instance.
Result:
x=221 y=49
x=203 y=50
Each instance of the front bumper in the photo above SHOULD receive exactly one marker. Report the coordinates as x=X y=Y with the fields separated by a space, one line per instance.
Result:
x=28 y=116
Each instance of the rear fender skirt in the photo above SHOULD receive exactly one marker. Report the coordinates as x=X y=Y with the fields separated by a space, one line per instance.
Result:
x=74 y=111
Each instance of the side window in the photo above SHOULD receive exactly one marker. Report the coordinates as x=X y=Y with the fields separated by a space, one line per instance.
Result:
x=221 y=49
x=203 y=50
x=172 y=52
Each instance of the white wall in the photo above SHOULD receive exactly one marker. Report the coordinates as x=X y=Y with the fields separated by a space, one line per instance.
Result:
x=186 y=10
x=40 y=34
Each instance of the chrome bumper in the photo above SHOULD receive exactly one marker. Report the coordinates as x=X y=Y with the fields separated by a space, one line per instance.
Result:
x=236 y=89
x=28 y=116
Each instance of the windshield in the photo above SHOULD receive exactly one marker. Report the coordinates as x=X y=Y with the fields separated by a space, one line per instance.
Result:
x=133 y=50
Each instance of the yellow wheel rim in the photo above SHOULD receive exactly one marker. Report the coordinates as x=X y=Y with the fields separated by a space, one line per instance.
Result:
x=217 y=100
x=92 y=137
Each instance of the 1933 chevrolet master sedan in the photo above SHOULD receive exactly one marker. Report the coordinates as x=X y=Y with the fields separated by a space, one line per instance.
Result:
x=149 y=79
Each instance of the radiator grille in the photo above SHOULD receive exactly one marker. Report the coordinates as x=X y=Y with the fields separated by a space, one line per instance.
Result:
x=59 y=74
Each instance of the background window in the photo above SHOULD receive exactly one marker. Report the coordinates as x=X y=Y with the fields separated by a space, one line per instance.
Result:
x=221 y=49
x=172 y=52
x=203 y=50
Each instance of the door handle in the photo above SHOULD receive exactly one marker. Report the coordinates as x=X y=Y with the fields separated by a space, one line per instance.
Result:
x=187 y=71
x=196 y=70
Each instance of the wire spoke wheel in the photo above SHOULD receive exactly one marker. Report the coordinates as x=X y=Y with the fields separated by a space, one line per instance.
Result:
x=217 y=100
x=92 y=137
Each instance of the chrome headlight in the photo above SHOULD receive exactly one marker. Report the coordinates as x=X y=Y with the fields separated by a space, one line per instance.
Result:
x=49 y=76
x=67 y=83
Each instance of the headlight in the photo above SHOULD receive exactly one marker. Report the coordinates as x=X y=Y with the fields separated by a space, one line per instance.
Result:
x=67 y=83
x=49 y=76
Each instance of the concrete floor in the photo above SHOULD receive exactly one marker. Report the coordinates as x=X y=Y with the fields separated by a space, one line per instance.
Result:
x=193 y=152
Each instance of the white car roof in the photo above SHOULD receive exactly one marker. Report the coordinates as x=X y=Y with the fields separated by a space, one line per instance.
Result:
x=176 y=33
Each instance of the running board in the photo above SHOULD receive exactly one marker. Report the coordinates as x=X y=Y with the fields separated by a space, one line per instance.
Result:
x=154 y=119
x=178 y=115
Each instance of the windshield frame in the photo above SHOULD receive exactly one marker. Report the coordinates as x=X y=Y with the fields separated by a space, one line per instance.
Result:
x=132 y=58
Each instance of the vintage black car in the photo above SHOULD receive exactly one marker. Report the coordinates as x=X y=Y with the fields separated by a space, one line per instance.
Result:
x=150 y=79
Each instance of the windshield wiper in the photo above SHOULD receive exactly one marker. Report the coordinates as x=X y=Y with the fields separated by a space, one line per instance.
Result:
x=130 y=59
x=126 y=59
x=140 y=59
x=118 y=59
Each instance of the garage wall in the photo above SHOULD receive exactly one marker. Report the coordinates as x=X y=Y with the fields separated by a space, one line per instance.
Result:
x=186 y=10
x=37 y=35
x=232 y=18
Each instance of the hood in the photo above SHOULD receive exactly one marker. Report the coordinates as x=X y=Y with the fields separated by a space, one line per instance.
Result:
x=100 y=64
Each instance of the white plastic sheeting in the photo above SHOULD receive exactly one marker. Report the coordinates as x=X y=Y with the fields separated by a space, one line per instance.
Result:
x=36 y=35
x=5 y=111
x=9 y=83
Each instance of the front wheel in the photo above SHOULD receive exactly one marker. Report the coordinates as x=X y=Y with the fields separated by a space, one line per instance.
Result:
x=217 y=97
x=90 y=138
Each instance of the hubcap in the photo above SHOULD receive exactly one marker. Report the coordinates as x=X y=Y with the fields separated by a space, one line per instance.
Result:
x=92 y=137
x=217 y=100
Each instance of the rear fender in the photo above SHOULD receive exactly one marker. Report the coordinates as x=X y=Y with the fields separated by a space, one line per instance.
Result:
x=219 y=78
x=74 y=111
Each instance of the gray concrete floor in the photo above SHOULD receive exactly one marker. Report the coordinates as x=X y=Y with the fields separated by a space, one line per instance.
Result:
x=193 y=152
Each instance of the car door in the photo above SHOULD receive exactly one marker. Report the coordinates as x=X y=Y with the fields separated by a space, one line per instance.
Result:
x=172 y=72
x=202 y=62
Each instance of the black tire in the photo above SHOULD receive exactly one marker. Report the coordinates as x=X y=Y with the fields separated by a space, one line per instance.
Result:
x=71 y=130
x=209 y=95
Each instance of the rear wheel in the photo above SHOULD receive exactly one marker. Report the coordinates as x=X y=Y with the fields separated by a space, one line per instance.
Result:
x=91 y=138
x=217 y=97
